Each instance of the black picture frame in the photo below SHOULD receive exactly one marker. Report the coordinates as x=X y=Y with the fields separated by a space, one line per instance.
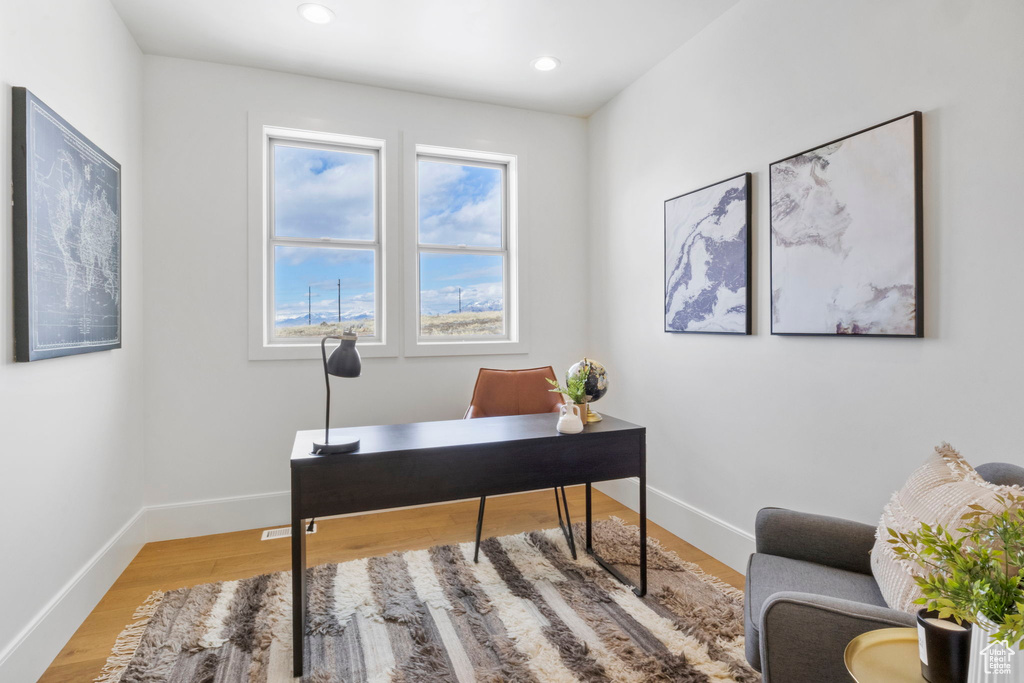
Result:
x=66 y=236
x=746 y=255
x=916 y=225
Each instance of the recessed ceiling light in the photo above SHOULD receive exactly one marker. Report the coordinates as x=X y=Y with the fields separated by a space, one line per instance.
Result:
x=545 y=63
x=318 y=14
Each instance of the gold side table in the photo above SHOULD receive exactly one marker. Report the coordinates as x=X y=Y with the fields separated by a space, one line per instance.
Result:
x=888 y=655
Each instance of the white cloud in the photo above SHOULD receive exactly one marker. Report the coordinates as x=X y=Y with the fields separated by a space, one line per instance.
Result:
x=336 y=202
x=449 y=214
x=435 y=183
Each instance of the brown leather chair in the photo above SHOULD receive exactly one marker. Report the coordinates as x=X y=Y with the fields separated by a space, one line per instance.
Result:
x=517 y=392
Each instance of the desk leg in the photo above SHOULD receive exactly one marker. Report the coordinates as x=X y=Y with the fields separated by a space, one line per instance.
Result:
x=298 y=595
x=642 y=589
x=566 y=527
x=590 y=545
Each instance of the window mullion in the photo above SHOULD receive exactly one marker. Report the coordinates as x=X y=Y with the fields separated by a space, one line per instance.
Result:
x=324 y=243
x=442 y=249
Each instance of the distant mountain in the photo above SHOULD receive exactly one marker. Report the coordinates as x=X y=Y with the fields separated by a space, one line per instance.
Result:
x=329 y=318
x=478 y=306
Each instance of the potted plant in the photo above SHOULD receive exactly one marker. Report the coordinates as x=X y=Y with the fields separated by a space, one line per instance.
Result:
x=575 y=389
x=975 y=576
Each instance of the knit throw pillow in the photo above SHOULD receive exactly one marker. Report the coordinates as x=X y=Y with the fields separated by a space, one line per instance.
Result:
x=938 y=492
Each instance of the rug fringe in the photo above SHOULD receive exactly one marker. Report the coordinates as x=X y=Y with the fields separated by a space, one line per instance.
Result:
x=128 y=640
x=695 y=569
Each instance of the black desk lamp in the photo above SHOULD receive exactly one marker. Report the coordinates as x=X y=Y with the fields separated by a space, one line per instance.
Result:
x=344 y=362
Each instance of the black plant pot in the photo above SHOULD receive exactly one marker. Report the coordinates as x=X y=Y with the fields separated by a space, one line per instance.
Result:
x=945 y=652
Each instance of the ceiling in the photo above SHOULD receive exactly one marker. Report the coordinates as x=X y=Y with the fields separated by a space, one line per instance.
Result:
x=470 y=49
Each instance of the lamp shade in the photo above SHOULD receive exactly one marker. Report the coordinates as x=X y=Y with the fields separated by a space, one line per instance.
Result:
x=344 y=361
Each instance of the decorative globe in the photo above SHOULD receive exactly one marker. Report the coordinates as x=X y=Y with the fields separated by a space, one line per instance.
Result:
x=597 y=379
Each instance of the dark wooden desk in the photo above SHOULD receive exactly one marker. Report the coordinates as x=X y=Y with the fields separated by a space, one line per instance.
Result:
x=433 y=462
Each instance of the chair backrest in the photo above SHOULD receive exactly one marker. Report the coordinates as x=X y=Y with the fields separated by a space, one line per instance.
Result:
x=513 y=392
x=1002 y=473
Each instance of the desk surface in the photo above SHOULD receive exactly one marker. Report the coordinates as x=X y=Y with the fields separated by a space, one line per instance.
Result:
x=448 y=434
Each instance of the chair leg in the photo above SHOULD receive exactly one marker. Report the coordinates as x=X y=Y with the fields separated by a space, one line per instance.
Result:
x=568 y=524
x=479 y=528
x=567 y=527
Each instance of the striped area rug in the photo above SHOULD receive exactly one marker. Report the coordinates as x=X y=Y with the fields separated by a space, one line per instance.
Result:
x=526 y=613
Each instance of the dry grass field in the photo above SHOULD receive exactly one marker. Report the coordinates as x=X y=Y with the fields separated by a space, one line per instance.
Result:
x=484 y=322
x=361 y=327
x=455 y=324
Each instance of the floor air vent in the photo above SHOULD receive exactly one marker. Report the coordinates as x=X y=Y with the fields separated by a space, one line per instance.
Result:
x=283 y=532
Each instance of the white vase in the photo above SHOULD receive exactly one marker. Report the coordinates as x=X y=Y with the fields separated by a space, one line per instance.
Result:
x=569 y=419
x=993 y=662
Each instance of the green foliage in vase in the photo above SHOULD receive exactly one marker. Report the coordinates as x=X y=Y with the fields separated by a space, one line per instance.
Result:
x=575 y=388
x=977 y=573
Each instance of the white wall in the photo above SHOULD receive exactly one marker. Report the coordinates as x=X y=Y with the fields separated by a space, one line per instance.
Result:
x=70 y=443
x=221 y=426
x=830 y=425
x=819 y=424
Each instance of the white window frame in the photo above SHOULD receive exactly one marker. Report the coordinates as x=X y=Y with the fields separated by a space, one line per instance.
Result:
x=263 y=344
x=480 y=153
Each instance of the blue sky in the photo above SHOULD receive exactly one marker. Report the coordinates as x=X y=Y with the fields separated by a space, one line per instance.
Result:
x=441 y=276
x=298 y=268
x=323 y=193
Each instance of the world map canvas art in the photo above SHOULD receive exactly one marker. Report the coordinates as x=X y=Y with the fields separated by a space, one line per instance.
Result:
x=707 y=259
x=67 y=237
x=846 y=235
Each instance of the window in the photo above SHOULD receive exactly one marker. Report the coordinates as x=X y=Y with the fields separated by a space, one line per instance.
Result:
x=323 y=242
x=323 y=256
x=465 y=247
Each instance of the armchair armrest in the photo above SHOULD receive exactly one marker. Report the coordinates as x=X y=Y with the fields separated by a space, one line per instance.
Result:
x=830 y=541
x=804 y=636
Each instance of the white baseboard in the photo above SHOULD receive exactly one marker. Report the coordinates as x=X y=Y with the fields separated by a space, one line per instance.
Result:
x=721 y=540
x=26 y=657
x=224 y=515
x=217 y=516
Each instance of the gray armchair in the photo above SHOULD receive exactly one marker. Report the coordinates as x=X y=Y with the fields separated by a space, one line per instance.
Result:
x=810 y=591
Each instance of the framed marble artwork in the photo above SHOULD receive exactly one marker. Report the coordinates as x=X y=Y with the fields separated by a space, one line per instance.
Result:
x=846 y=235
x=707 y=259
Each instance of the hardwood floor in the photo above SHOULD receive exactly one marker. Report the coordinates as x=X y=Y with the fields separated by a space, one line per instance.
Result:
x=185 y=562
